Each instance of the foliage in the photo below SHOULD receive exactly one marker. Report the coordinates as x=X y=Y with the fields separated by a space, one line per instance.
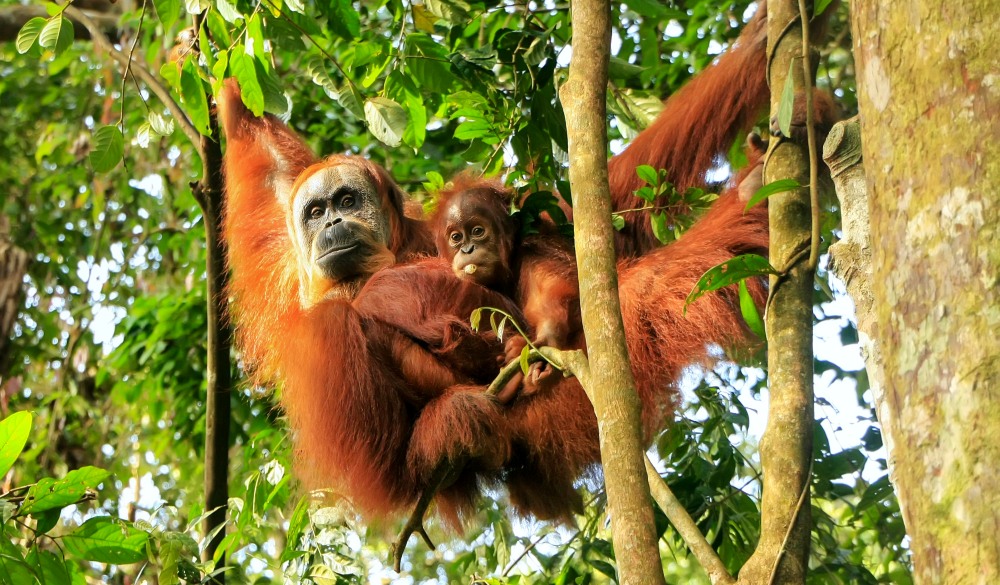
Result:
x=109 y=344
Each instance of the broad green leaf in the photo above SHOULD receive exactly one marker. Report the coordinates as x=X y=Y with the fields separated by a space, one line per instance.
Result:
x=451 y=11
x=787 y=104
x=617 y=221
x=779 y=186
x=658 y=221
x=46 y=521
x=144 y=134
x=168 y=11
x=523 y=359
x=107 y=148
x=730 y=272
x=244 y=70
x=341 y=18
x=28 y=34
x=103 y=539
x=423 y=19
x=195 y=100
x=750 y=313
x=14 y=431
x=619 y=68
x=386 y=120
x=49 y=36
x=274 y=98
x=50 y=568
x=13 y=568
x=51 y=494
x=648 y=174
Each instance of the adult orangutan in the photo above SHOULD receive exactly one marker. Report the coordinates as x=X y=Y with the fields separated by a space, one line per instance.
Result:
x=381 y=376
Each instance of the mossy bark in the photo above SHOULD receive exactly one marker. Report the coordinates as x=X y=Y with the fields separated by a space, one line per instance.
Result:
x=929 y=99
x=609 y=379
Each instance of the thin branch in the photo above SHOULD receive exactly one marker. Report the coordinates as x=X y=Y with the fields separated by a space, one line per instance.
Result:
x=686 y=527
x=148 y=78
x=807 y=75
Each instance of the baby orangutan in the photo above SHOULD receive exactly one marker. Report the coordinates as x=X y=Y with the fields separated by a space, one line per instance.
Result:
x=475 y=232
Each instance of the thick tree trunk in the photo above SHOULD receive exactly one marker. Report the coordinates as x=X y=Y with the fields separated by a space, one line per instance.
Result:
x=610 y=378
x=929 y=97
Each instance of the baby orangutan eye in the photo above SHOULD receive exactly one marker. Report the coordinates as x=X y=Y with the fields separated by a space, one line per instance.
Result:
x=456 y=237
x=478 y=231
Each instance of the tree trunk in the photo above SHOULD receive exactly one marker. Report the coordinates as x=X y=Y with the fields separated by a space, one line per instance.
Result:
x=610 y=377
x=929 y=97
x=782 y=553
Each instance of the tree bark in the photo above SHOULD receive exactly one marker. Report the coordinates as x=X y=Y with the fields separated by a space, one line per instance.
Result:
x=851 y=257
x=782 y=553
x=610 y=376
x=13 y=266
x=929 y=97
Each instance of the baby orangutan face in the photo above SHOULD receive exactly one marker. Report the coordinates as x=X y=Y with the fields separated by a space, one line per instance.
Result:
x=477 y=238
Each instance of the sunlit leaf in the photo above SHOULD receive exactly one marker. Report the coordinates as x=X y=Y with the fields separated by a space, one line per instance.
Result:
x=386 y=120
x=105 y=540
x=14 y=431
x=168 y=11
x=28 y=34
x=50 y=494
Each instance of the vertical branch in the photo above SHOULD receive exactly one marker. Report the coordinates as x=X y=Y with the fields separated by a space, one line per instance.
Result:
x=218 y=408
x=610 y=378
x=786 y=448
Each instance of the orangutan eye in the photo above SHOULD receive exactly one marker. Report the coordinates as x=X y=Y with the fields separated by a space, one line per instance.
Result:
x=315 y=211
x=478 y=232
x=456 y=237
x=347 y=202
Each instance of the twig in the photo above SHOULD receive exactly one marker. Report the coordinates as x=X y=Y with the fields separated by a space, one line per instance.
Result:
x=98 y=37
x=807 y=77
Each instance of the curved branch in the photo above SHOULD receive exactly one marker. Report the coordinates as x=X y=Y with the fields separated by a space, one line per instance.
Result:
x=142 y=73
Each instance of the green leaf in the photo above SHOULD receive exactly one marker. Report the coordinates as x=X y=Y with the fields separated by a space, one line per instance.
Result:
x=451 y=11
x=46 y=521
x=103 y=539
x=49 y=36
x=619 y=68
x=351 y=99
x=386 y=120
x=648 y=174
x=13 y=569
x=779 y=186
x=730 y=272
x=168 y=11
x=475 y=318
x=244 y=70
x=661 y=230
x=523 y=359
x=341 y=18
x=50 y=568
x=750 y=313
x=50 y=494
x=161 y=124
x=193 y=93
x=228 y=11
x=787 y=104
x=197 y=6
x=14 y=431
x=617 y=221
x=108 y=148
x=820 y=7
x=877 y=492
x=28 y=34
